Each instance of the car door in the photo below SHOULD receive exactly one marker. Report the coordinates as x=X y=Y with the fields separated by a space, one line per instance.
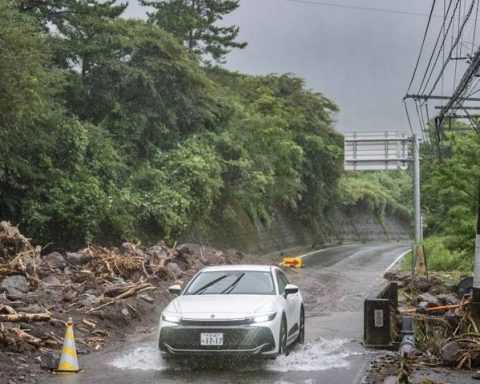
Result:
x=290 y=303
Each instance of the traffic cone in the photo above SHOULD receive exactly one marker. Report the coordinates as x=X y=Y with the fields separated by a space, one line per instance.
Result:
x=68 y=361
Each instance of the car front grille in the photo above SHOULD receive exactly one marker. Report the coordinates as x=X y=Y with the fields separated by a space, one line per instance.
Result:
x=233 y=338
x=215 y=323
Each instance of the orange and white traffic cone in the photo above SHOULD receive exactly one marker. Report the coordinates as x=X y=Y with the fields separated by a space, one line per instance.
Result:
x=68 y=361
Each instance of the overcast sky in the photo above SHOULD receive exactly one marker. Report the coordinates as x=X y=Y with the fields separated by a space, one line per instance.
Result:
x=361 y=59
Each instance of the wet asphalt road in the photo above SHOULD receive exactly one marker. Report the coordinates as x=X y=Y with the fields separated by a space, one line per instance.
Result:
x=334 y=284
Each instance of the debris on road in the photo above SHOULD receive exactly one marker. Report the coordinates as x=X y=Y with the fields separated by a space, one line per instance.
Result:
x=105 y=290
x=446 y=336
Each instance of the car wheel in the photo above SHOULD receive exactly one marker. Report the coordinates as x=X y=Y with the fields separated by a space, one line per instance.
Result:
x=282 y=339
x=301 y=333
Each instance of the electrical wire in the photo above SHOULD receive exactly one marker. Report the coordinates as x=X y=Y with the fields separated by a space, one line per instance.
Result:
x=475 y=29
x=445 y=32
x=346 y=6
x=422 y=45
x=408 y=117
x=467 y=17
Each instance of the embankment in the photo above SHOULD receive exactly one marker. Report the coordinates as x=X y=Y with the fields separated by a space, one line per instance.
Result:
x=286 y=231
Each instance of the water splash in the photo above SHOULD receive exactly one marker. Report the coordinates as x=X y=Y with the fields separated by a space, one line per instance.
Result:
x=143 y=358
x=317 y=355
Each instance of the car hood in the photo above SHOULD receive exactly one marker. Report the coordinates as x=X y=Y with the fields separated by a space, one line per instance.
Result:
x=222 y=306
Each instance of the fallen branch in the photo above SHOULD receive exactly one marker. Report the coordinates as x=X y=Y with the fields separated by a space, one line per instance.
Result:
x=25 y=317
x=132 y=291
x=24 y=336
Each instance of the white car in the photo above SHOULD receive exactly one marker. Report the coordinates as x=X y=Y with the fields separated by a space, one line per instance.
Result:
x=241 y=309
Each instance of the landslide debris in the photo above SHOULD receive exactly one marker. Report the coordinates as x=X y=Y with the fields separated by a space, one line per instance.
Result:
x=447 y=337
x=105 y=290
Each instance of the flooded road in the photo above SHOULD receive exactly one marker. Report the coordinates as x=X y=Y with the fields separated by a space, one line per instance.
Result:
x=334 y=284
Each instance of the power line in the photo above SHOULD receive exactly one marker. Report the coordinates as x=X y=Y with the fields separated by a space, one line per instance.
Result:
x=422 y=45
x=445 y=32
x=370 y=9
x=454 y=46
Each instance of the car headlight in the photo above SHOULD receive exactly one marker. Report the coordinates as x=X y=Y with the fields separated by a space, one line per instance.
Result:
x=171 y=318
x=263 y=318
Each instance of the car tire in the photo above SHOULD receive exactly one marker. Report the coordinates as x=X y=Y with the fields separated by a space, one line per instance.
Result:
x=301 y=332
x=282 y=338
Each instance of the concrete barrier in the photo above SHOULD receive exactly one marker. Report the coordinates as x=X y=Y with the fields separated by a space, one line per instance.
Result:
x=380 y=323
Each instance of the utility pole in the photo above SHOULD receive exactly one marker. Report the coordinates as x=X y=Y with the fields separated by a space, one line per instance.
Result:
x=476 y=267
x=416 y=190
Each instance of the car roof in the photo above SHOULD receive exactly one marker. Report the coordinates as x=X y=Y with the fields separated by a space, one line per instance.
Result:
x=241 y=267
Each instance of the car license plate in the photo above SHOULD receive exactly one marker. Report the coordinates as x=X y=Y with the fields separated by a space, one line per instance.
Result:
x=211 y=339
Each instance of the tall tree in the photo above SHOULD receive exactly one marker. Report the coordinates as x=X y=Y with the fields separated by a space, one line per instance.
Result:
x=195 y=24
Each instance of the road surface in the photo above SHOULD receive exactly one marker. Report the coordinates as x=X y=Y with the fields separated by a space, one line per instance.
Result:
x=334 y=283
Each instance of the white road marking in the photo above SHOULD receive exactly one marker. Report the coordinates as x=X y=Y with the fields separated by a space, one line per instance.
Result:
x=397 y=260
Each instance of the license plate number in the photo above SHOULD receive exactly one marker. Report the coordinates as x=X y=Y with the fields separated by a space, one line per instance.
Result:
x=211 y=339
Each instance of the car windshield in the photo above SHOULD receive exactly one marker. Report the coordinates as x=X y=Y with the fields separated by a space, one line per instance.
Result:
x=232 y=283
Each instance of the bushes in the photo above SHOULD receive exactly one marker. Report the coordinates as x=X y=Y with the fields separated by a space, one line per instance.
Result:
x=440 y=258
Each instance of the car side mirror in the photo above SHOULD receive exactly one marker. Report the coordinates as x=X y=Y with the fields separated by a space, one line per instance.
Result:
x=175 y=289
x=290 y=289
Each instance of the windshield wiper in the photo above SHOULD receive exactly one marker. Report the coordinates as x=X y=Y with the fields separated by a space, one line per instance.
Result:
x=209 y=284
x=233 y=285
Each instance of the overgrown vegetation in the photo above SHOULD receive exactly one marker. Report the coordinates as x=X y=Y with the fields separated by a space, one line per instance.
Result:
x=111 y=130
x=450 y=196
x=380 y=193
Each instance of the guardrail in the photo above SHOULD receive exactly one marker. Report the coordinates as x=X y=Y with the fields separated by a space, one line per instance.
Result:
x=380 y=322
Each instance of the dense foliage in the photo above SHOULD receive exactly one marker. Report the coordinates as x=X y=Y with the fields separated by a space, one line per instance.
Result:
x=450 y=197
x=110 y=130
x=379 y=192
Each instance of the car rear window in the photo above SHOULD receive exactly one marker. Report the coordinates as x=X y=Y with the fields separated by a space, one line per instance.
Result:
x=232 y=283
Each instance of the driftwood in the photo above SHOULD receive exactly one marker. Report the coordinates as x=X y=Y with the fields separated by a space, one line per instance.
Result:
x=25 y=317
x=89 y=324
x=7 y=309
x=133 y=290
x=24 y=336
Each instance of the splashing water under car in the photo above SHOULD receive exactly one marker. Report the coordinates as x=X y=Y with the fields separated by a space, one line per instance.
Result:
x=317 y=355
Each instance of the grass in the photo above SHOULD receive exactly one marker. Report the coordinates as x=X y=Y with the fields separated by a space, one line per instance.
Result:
x=440 y=258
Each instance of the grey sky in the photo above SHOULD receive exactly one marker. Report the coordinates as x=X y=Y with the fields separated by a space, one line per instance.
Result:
x=362 y=60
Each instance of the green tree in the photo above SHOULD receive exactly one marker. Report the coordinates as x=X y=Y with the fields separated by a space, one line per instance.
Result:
x=195 y=23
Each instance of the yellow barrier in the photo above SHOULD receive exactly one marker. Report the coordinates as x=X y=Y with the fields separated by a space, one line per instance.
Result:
x=292 y=262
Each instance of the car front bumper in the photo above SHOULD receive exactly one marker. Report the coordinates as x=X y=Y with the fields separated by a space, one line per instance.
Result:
x=242 y=340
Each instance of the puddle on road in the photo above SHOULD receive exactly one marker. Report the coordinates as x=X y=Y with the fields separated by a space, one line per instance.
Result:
x=318 y=355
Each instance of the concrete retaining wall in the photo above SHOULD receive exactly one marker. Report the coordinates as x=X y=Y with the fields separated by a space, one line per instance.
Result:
x=288 y=232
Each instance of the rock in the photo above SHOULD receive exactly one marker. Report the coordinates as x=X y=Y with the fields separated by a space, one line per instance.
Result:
x=186 y=249
x=146 y=297
x=175 y=269
x=32 y=308
x=51 y=280
x=450 y=353
x=69 y=294
x=56 y=323
x=127 y=247
x=422 y=284
x=49 y=360
x=55 y=260
x=157 y=251
x=448 y=299
x=88 y=300
x=432 y=300
x=125 y=312
x=422 y=307
x=75 y=258
x=14 y=285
